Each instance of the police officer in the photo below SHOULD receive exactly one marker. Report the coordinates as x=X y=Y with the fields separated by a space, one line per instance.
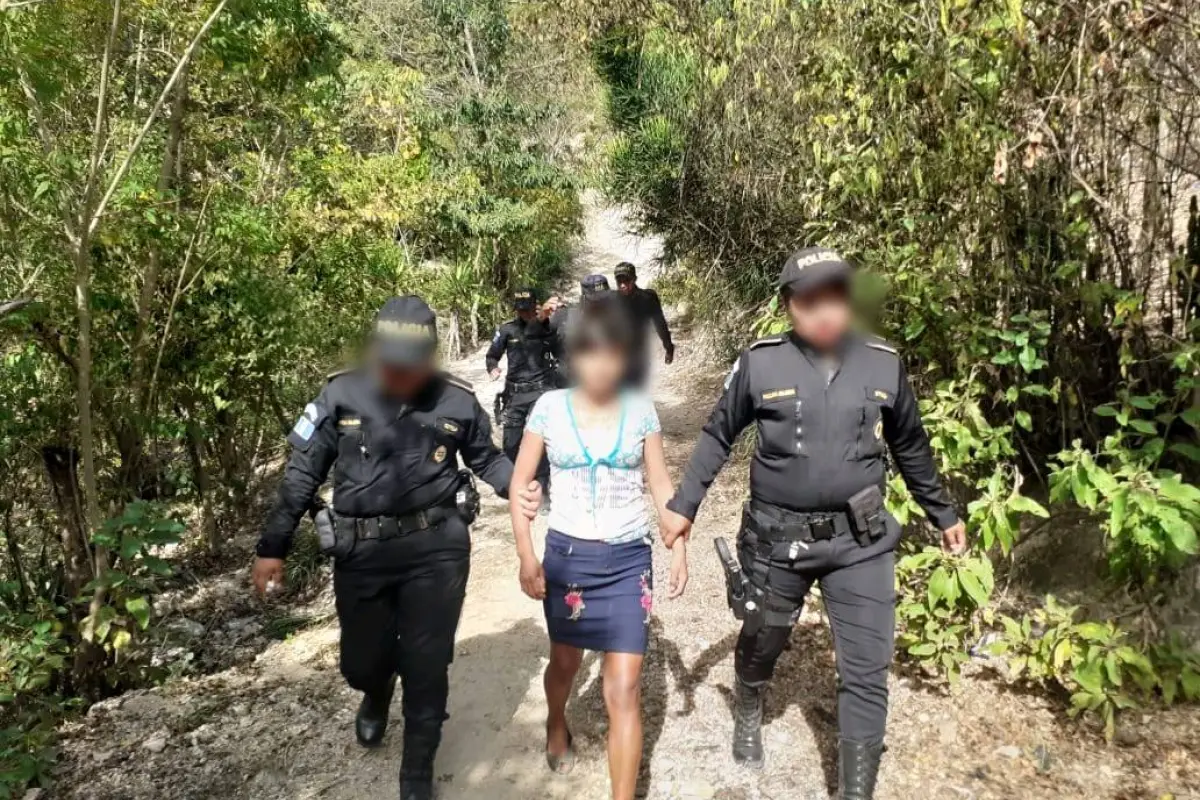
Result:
x=392 y=433
x=826 y=402
x=529 y=342
x=646 y=310
x=592 y=289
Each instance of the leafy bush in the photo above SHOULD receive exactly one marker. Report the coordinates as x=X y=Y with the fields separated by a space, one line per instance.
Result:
x=938 y=608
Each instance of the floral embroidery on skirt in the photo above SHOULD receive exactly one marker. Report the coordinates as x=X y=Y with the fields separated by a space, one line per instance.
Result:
x=574 y=600
x=647 y=595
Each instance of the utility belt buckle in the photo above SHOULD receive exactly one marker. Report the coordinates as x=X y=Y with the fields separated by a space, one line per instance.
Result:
x=822 y=529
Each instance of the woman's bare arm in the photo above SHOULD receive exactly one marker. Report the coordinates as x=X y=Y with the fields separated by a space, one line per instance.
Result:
x=524 y=471
x=657 y=474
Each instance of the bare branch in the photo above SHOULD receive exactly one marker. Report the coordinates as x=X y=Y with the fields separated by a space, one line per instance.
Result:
x=152 y=117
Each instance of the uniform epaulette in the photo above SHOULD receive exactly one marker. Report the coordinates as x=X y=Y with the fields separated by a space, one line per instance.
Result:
x=770 y=340
x=339 y=373
x=459 y=382
x=879 y=344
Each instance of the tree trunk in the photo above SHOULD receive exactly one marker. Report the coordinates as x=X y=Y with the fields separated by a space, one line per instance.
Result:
x=14 y=556
x=62 y=471
x=208 y=523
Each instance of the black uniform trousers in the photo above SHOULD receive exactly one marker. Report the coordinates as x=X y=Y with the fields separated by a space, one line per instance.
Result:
x=858 y=590
x=516 y=412
x=399 y=601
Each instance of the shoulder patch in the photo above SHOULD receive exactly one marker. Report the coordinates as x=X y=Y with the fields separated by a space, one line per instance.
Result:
x=769 y=341
x=302 y=434
x=459 y=382
x=879 y=344
x=339 y=373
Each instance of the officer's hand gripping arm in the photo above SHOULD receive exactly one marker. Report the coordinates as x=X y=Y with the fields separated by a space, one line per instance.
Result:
x=909 y=444
x=483 y=457
x=311 y=459
x=733 y=412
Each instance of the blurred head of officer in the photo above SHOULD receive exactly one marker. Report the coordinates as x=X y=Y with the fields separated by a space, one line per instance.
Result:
x=626 y=275
x=814 y=289
x=525 y=302
x=598 y=346
x=403 y=348
x=593 y=286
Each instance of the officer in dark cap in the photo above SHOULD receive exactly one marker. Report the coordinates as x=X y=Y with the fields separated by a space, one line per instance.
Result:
x=828 y=404
x=529 y=342
x=645 y=309
x=593 y=288
x=392 y=432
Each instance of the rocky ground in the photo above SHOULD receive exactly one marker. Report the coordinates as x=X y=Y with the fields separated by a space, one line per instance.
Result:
x=272 y=719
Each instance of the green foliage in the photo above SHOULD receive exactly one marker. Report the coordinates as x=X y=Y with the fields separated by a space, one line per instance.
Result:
x=1095 y=663
x=940 y=598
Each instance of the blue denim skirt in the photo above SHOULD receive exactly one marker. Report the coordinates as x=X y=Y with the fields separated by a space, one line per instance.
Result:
x=598 y=595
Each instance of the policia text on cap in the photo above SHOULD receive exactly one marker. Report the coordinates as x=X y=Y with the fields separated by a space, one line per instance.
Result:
x=392 y=433
x=826 y=403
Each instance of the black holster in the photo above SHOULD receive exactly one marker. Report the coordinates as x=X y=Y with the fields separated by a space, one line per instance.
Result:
x=868 y=517
x=334 y=539
x=466 y=499
x=498 y=407
x=744 y=599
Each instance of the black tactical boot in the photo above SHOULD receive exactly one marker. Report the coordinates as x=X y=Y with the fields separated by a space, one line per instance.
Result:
x=858 y=766
x=747 y=724
x=416 y=765
x=371 y=723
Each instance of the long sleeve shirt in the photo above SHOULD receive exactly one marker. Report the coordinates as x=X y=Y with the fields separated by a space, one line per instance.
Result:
x=822 y=429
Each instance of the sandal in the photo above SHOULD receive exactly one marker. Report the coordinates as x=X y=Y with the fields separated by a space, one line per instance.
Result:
x=563 y=763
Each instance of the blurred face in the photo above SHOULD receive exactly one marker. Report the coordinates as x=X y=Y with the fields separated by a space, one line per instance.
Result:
x=599 y=370
x=405 y=382
x=625 y=286
x=822 y=316
x=526 y=313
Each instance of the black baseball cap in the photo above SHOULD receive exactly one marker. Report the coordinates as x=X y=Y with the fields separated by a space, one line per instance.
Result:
x=594 y=284
x=405 y=332
x=524 y=299
x=812 y=268
x=625 y=271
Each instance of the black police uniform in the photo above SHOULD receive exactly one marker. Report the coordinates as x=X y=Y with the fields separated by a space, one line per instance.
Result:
x=401 y=574
x=823 y=427
x=645 y=308
x=530 y=347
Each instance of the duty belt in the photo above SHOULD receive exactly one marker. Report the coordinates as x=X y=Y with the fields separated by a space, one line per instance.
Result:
x=392 y=527
x=780 y=525
x=520 y=387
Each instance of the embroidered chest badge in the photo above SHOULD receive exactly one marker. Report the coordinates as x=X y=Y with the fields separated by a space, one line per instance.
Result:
x=778 y=394
x=879 y=429
x=439 y=455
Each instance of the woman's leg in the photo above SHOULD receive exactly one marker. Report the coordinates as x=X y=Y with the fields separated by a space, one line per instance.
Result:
x=623 y=698
x=559 y=677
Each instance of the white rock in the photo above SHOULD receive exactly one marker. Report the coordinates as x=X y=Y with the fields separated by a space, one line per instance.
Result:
x=1008 y=751
x=157 y=743
x=34 y=794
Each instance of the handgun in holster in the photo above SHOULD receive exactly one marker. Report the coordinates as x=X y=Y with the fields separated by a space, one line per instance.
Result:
x=467 y=497
x=868 y=517
x=743 y=597
x=498 y=407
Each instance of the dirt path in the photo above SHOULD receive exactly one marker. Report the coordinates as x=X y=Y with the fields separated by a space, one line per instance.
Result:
x=280 y=727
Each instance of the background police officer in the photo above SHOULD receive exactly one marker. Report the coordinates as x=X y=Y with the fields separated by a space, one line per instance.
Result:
x=646 y=310
x=529 y=342
x=392 y=433
x=825 y=402
x=592 y=289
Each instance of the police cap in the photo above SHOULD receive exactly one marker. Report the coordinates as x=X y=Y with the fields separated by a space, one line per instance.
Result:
x=625 y=271
x=524 y=299
x=593 y=284
x=812 y=268
x=405 y=332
